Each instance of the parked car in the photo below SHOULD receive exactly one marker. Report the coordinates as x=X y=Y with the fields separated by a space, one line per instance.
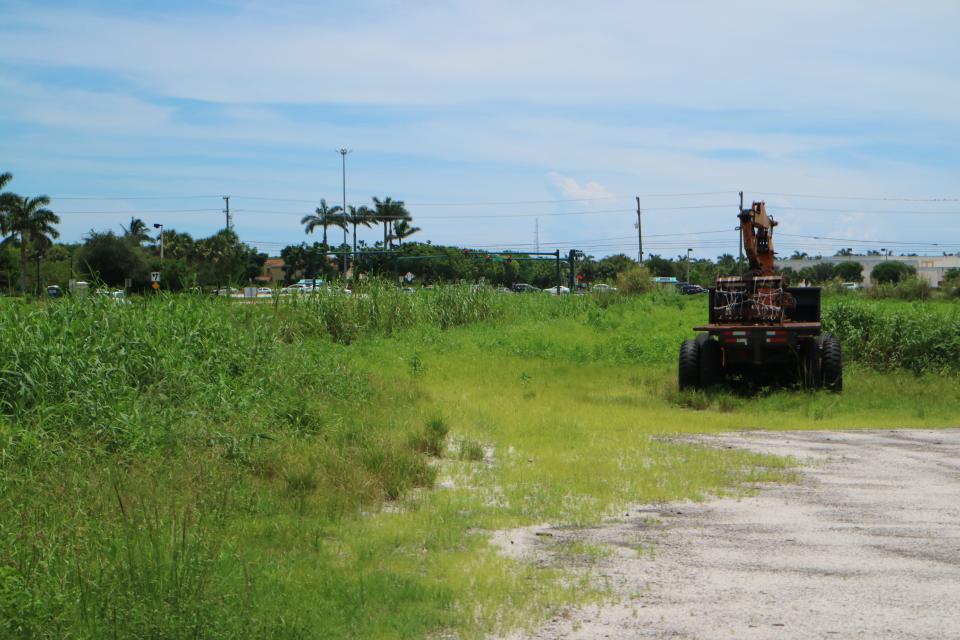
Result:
x=118 y=297
x=521 y=287
x=603 y=288
x=690 y=289
x=504 y=290
x=557 y=290
x=264 y=291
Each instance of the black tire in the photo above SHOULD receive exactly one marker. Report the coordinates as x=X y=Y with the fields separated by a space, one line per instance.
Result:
x=689 y=371
x=831 y=363
x=711 y=361
x=810 y=371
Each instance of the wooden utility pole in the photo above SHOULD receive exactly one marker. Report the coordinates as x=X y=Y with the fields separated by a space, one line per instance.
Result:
x=226 y=211
x=639 y=234
x=740 y=233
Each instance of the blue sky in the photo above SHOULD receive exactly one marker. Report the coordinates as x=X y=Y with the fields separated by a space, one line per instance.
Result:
x=551 y=107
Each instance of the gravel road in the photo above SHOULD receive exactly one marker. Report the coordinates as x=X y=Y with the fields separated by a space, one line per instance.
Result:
x=867 y=545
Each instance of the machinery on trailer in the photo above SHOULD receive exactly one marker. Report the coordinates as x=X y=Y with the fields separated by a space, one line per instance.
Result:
x=758 y=330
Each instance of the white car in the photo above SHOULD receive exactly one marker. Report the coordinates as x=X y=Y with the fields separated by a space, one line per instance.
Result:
x=557 y=290
x=603 y=288
x=264 y=291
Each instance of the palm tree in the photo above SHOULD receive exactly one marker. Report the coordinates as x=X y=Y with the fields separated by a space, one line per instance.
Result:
x=5 y=198
x=360 y=216
x=324 y=217
x=389 y=211
x=29 y=221
x=402 y=229
x=138 y=232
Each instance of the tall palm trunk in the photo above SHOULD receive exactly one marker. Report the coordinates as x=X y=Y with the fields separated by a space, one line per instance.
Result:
x=385 y=223
x=324 y=233
x=354 y=237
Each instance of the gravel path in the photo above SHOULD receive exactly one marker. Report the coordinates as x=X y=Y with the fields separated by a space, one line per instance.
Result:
x=867 y=545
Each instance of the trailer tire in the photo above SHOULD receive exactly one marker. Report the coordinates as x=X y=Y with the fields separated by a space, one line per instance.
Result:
x=689 y=369
x=811 y=376
x=831 y=363
x=711 y=361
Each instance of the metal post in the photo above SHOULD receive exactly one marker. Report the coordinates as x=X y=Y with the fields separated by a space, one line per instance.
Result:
x=639 y=234
x=343 y=155
x=559 y=276
x=157 y=225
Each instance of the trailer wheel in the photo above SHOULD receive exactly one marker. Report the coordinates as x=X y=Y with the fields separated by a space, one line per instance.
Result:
x=810 y=370
x=689 y=371
x=831 y=363
x=711 y=361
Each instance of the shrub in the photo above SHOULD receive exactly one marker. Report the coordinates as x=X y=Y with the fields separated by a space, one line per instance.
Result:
x=634 y=280
x=910 y=288
x=920 y=337
x=891 y=272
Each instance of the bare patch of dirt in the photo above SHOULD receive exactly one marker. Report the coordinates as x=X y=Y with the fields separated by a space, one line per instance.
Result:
x=866 y=545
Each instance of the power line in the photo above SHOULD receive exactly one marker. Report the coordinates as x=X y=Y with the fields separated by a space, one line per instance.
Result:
x=128 y=212
x=873 y=198
x=515 y=215
x=130 y=197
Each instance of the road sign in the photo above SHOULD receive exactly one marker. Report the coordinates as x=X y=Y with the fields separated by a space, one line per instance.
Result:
x=154 y=276
x=155 y=284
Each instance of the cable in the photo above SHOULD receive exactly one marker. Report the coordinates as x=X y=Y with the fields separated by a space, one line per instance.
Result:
x=139 y=211
x=515 y=215
x=877 y=199
x=130 y=197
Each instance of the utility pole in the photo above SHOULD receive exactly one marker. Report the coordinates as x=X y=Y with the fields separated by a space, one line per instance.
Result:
x=688 y=264
x=226 y=211
x=343 y=155
x=740 y=233
x=639 y=235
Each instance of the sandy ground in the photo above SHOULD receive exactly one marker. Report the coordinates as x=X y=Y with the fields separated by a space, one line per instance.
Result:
x=867 y=545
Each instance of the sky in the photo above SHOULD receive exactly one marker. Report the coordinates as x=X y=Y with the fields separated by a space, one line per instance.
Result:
x=499 y=123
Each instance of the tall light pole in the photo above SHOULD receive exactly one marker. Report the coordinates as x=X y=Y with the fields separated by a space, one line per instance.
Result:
x=688 y=264
x=157 y=225
x=343 y=155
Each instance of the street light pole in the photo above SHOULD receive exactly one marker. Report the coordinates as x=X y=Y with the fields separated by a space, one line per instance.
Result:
x=157 y=225
x=343 y=155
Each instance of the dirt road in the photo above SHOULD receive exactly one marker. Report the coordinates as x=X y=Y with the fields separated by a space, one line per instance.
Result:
x=867 y=545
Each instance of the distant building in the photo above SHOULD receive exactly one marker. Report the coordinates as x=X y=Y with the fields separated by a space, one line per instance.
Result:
x=272 y=271
x=930 y=268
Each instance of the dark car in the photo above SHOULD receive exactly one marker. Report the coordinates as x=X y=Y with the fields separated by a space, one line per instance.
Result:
x=690 y=289
x=525 y=288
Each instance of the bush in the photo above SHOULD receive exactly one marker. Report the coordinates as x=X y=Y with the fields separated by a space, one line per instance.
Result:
x=910 y=288
x=920 y=337
x=891 y=272
x=634 y=280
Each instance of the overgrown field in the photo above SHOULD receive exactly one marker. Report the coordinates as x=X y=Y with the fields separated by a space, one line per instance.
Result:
x=331 y=467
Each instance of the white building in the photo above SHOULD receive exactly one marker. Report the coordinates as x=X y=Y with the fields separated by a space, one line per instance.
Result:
x=930 y=268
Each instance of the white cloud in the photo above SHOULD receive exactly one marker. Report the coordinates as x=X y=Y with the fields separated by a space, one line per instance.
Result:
x=570 y=189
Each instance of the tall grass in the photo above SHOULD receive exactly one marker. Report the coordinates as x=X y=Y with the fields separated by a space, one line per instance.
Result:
x=918 y=336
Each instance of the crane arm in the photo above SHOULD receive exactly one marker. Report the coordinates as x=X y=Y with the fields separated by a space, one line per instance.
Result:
x=756 y=228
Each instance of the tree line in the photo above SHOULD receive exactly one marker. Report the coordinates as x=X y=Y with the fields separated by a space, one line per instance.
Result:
x=28 y=228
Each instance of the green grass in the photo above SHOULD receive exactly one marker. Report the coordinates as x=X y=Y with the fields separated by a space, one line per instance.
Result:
x=184 y=467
